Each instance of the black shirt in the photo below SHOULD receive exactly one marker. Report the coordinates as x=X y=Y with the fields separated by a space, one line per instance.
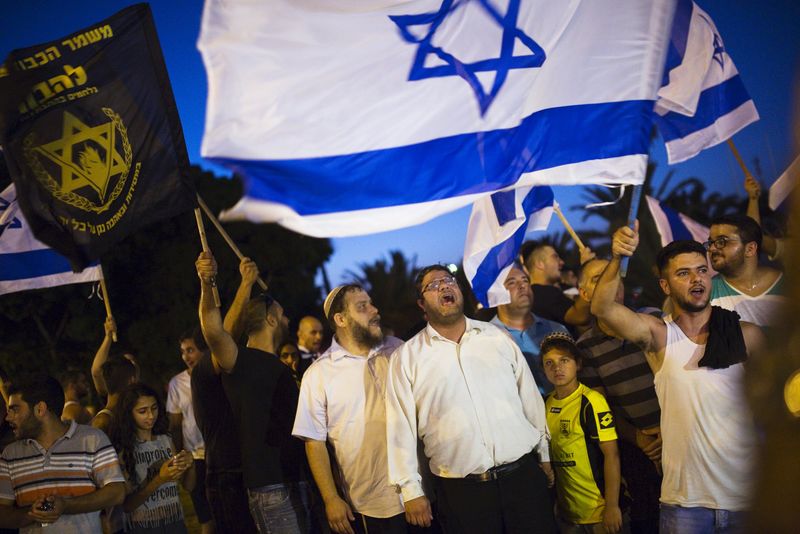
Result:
x=263 y=396
x=214 y=417
x=549 y=302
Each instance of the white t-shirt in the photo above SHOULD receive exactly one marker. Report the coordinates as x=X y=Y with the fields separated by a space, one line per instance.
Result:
x=342 y=401
x=179 y=400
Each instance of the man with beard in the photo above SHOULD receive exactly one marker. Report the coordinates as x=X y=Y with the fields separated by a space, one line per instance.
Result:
x=697 y=358
x=263 y=399
x=57 y=472
x=527 y=330
x=464 y=388
x=753 y=291
x=342 y=402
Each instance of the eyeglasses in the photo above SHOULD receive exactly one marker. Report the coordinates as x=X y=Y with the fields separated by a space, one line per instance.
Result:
x=720 y=242
x=447 y=281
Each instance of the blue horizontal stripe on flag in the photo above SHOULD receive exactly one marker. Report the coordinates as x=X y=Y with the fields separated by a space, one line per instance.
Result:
x=31 y=264
x=679 y=230
x=505 y=253
x=452 y=166
x=715 y=102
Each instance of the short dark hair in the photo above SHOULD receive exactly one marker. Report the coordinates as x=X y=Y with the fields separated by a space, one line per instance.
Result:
x=563 y=342
x=675 y=248
x=118 y=372
x=38 y=388
x=424 y=271
x=70 y=376
x=747 y=228
x=337 y=304
x=529 y=247
x=196 y=335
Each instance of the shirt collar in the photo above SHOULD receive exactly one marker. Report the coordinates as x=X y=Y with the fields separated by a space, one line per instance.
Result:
x=337 y=352
x=496 y=321
x=472 y=326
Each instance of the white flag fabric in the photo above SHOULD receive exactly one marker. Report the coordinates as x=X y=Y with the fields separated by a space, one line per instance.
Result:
x=27 y=263
x=497 y=228
x=703 y=101
x=783 y=186
x=350 y=117
x=675 y=226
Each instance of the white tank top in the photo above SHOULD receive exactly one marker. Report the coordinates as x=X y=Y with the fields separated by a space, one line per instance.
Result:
x=709 y=441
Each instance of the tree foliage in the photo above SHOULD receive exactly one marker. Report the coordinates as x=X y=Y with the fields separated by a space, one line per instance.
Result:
x=154 y=290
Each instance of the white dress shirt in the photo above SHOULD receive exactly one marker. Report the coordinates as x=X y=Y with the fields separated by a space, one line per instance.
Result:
x=342 y=400
x=474 y=404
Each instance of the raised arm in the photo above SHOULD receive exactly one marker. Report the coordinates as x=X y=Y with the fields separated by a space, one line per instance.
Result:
x=753 y=189
x=101 y=357
x=234 y=320
x=223 y=349
x=623 y=322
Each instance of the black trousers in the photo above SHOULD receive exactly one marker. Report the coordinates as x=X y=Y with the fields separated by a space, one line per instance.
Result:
x=518 y=502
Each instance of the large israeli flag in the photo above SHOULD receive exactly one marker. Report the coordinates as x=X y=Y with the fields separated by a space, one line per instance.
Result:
x=27 y=263
x=497 y=228
x=349 y=117
x=703 y=101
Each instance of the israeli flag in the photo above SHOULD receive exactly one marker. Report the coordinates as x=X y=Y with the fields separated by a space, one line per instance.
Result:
x=349 y=117
x=497 y=228
x=703 y=101
x=27 y=263
x=674 y=226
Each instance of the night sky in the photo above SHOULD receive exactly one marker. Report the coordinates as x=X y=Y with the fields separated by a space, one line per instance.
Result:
x=761 y=37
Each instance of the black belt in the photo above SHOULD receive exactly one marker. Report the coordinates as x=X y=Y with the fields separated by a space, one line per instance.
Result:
x=499 y=471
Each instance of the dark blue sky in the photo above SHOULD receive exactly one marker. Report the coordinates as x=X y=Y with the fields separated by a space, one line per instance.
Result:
x=761 y=37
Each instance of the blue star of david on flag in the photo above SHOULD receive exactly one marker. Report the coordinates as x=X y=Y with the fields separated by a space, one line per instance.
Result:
x=7 y=222
x=719 y=50
x=501 y=65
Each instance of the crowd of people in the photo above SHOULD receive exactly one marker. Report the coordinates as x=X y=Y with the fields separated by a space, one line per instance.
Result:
x=566 y=411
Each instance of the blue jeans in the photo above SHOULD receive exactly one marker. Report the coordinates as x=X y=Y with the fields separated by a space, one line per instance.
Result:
x=280 y=508
x=680 y=520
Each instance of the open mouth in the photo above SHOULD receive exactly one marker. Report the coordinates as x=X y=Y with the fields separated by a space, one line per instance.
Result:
x=448 y=298
x=697 y=291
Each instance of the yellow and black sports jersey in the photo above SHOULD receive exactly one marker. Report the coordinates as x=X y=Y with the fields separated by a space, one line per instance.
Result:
x=577 y=425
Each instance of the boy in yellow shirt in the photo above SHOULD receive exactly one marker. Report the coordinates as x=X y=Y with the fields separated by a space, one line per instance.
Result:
x=583 y=444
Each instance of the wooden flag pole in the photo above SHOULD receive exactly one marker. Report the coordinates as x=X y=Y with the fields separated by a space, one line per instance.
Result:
x=739 y=159
x=106 y=301
x=569 y=228
x=636 y=197
x=204 y=241
x=226 y=237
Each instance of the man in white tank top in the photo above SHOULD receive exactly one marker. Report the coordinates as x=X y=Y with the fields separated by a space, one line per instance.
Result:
x=708 y=437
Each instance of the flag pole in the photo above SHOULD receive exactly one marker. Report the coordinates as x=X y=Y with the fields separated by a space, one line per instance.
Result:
x=739 y=158
x=636 y=197
x=204 y=241
x=568 y=226
x=226 y=237
x=106 y=301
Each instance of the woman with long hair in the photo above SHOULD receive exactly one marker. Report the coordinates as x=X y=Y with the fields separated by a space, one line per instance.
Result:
x=150 y=463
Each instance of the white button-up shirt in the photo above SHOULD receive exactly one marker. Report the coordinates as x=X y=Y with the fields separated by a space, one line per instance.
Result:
x=474 y=404
x=342 y=400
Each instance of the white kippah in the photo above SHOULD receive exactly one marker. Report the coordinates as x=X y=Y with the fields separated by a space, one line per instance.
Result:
x=326 y=306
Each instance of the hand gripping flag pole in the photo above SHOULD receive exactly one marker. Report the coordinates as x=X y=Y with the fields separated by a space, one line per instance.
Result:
x=204 y=241
x=226 y=236
x=636 y=197
x=106 y=300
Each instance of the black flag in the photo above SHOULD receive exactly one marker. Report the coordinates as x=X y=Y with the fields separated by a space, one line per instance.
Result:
x=92 y=137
